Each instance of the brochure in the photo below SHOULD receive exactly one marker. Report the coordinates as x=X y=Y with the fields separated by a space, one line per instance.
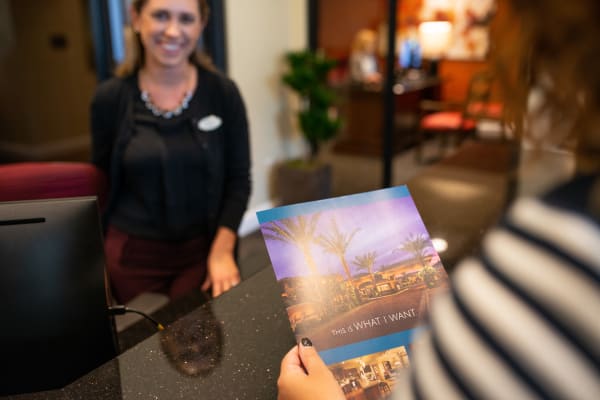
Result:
x=356 y=273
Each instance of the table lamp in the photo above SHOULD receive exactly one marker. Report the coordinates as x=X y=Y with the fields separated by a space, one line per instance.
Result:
x=434 y=38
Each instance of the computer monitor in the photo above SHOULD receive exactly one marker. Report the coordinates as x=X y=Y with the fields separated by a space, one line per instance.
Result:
x=55 y=321
x=410 y=54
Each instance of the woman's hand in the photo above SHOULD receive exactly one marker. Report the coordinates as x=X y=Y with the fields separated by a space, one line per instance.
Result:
x=305 y=376
x=222 y=271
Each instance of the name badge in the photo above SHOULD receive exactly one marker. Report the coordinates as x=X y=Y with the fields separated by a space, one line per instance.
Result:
x=210 y=123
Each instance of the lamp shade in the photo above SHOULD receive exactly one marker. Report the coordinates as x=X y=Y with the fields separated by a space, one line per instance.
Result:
x=434 y=38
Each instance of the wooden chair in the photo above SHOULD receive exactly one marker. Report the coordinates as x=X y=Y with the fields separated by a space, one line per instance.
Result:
x=445 y=121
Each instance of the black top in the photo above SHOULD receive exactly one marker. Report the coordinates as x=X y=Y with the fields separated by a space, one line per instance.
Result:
x=173 y=178
x=162 y=174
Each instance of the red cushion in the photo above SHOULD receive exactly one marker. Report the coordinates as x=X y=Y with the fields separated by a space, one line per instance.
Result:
x=45 y=180
x=446 y=120
x=486 y=110
x=495 y=110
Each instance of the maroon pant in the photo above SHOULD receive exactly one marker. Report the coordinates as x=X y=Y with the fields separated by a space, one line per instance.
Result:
x=137 y=265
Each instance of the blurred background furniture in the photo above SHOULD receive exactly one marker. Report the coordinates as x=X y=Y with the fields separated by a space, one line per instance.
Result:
x=447 y=121
x=362 y=114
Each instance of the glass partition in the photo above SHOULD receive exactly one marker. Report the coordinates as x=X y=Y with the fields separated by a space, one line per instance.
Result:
x=380 y=79
x=399 y=61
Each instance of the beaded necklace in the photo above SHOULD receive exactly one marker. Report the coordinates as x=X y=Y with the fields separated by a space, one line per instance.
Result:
x=167 y=114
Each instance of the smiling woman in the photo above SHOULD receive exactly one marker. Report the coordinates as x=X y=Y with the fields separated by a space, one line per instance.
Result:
x=168 y=32
x=172 y=136
x=195 y=16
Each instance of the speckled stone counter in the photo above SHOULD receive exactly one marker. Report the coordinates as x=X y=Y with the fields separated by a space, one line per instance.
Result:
x=227 y=348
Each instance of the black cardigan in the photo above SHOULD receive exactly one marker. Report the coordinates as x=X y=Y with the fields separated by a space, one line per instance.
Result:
x=227 y=195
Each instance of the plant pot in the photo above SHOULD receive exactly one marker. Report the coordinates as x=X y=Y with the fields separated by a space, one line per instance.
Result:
x=297 y=182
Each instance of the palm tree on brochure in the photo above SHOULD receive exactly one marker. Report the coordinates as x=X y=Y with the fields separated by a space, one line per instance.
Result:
x=337 y=243
x=366 y=261
x=419 y=246
x=299 y=231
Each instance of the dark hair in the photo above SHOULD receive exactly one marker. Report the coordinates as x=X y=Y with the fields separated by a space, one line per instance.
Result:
x=134 y=54
x=553 y=46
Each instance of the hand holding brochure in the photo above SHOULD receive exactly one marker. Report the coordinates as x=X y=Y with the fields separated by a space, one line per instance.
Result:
x=356 y=274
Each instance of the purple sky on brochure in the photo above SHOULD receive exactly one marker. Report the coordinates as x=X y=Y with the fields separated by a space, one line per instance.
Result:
x=383 y=227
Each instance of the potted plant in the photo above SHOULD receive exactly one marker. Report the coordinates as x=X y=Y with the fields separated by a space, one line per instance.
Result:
x=308 y=179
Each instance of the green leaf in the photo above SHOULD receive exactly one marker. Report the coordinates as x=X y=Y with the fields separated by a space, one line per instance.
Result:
x=307 y=76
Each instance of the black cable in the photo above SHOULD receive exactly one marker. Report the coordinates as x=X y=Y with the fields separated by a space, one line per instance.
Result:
x=120 y=310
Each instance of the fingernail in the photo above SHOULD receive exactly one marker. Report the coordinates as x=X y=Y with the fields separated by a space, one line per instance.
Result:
x=306 y=342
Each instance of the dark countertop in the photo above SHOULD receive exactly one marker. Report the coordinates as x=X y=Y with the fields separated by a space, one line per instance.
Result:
x=241 y=337
x=238 y=339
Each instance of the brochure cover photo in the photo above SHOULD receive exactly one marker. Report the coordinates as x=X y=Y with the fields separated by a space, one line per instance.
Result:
x=356 y=274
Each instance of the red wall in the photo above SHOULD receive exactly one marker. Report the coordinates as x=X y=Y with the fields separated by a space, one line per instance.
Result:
x=339 y=20
x=455 y=77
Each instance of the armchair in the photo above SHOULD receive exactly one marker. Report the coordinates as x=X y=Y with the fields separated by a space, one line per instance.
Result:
x=445 y=120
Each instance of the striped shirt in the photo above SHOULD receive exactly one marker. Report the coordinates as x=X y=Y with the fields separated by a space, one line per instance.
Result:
x=522 y=321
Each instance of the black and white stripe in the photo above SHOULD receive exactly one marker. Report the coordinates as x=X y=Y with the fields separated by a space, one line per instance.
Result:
x=521 y=322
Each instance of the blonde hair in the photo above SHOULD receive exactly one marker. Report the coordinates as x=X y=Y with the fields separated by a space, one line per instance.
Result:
x=134 y=50
x=363 y=39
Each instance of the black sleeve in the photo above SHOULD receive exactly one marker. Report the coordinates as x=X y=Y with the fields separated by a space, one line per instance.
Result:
x=237 y=161
x=103 y=124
